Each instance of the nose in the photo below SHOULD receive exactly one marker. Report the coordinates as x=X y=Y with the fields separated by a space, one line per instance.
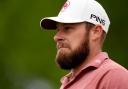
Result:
x=58 y=36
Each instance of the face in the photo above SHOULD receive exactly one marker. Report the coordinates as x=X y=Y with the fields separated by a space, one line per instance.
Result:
x=72 y=44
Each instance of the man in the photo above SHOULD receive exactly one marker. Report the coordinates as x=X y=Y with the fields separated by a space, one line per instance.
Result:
x=81 y=27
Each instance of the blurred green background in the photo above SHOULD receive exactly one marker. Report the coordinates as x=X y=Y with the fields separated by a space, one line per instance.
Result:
x=27 y=53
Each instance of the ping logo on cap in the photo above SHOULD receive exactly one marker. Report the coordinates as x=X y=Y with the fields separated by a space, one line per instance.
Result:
x=98 y=19
x=65 y=6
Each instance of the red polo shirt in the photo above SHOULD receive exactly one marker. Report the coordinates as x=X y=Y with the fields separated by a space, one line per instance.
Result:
x=102 y=73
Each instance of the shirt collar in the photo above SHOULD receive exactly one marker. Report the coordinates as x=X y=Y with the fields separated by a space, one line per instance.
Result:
x=98 y=60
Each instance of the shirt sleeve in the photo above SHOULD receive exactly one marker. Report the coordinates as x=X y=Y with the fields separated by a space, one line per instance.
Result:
x=115 y=79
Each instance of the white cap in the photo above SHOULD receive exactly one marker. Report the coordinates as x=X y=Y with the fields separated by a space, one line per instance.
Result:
x=76 y=11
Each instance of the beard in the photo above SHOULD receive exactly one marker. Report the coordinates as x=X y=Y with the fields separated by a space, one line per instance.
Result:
x=76 y=57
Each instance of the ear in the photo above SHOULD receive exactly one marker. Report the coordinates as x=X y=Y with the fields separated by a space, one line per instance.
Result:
x=96 y=33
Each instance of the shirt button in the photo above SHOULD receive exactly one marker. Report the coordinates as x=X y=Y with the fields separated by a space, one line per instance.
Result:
x=65 y=80
x=98 y=61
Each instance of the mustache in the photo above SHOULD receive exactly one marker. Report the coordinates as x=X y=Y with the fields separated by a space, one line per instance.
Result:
x=62 y=45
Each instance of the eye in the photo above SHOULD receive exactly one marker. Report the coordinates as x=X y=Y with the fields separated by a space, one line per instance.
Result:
x=68 y=29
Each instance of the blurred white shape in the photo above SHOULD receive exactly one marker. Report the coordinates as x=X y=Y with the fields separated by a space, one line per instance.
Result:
x=38 y=84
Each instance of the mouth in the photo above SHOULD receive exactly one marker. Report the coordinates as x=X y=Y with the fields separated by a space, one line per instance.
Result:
x=61 y=45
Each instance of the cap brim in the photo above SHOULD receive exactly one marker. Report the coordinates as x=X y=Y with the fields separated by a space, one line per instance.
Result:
x=50 y=22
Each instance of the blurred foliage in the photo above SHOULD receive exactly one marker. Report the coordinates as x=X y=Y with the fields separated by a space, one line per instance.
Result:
x=27 y=53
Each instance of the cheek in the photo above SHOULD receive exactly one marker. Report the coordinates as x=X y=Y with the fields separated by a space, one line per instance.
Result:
x=75 y=43
x=76 y=39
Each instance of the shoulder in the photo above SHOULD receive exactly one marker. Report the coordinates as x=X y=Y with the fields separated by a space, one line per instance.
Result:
x=110 y=65
x=115 y=77
x=117 y=74
x=113 y=69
